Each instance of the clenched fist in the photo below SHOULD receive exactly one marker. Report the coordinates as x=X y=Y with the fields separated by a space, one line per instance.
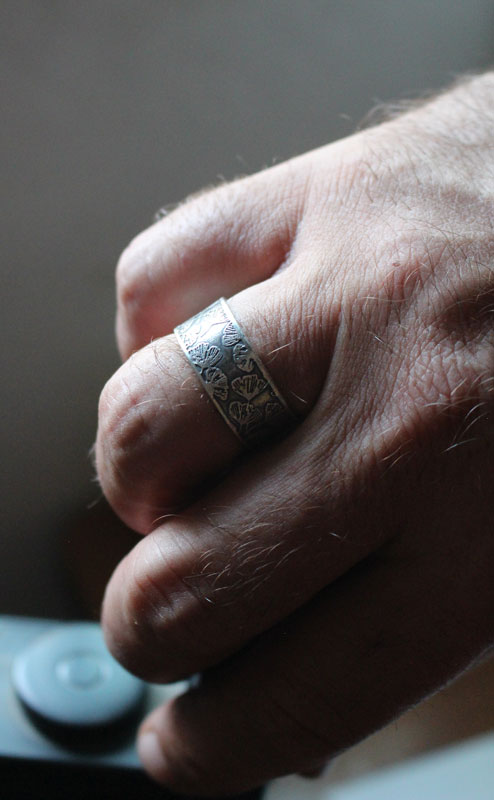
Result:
x=328 y=579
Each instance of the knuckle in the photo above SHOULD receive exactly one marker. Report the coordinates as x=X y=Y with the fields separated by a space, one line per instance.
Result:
x=123 y=424
x=133 y=274
x=145 y=413
x=124 y=442
x=106 y=400
x=428 y=307
x=163 y=614
x=157 y=252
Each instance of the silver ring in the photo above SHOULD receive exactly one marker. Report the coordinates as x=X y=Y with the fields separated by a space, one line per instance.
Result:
x=233 y=375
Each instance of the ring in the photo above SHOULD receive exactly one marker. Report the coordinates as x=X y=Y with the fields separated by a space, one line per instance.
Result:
x=233 y=375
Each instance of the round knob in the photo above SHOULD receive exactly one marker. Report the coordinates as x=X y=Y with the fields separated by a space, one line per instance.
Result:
x=68 y=677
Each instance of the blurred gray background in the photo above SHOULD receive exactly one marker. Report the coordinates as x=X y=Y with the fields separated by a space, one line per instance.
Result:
x=111 y=109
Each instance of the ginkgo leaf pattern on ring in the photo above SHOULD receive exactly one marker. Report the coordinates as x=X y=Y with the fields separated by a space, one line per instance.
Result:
x=189 y=338
x=205 y=355
x=244 y=414
x=209 y=318
x=273 y=410
x=242 y=357
x=188 y=333
x=216 y=383
x=231 y=335
x=229 y=369
x=248 y=386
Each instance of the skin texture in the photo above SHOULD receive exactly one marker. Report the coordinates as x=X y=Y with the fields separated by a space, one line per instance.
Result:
x=338 y=576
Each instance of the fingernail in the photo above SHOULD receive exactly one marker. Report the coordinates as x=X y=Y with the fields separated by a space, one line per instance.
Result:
x=151 y=755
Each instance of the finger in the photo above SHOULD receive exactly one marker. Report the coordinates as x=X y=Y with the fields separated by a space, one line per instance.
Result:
x=375 y=643
x=214 y=245
x=285 y=524
x=160 y=437
x=248 y=553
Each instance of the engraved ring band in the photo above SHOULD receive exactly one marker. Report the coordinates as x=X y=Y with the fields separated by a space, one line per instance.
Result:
x=233 y=375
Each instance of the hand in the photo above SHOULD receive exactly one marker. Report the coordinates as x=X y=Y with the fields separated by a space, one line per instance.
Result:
x=330 y=580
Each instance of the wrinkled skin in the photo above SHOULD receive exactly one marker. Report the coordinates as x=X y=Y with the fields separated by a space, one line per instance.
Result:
x=332 y=579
